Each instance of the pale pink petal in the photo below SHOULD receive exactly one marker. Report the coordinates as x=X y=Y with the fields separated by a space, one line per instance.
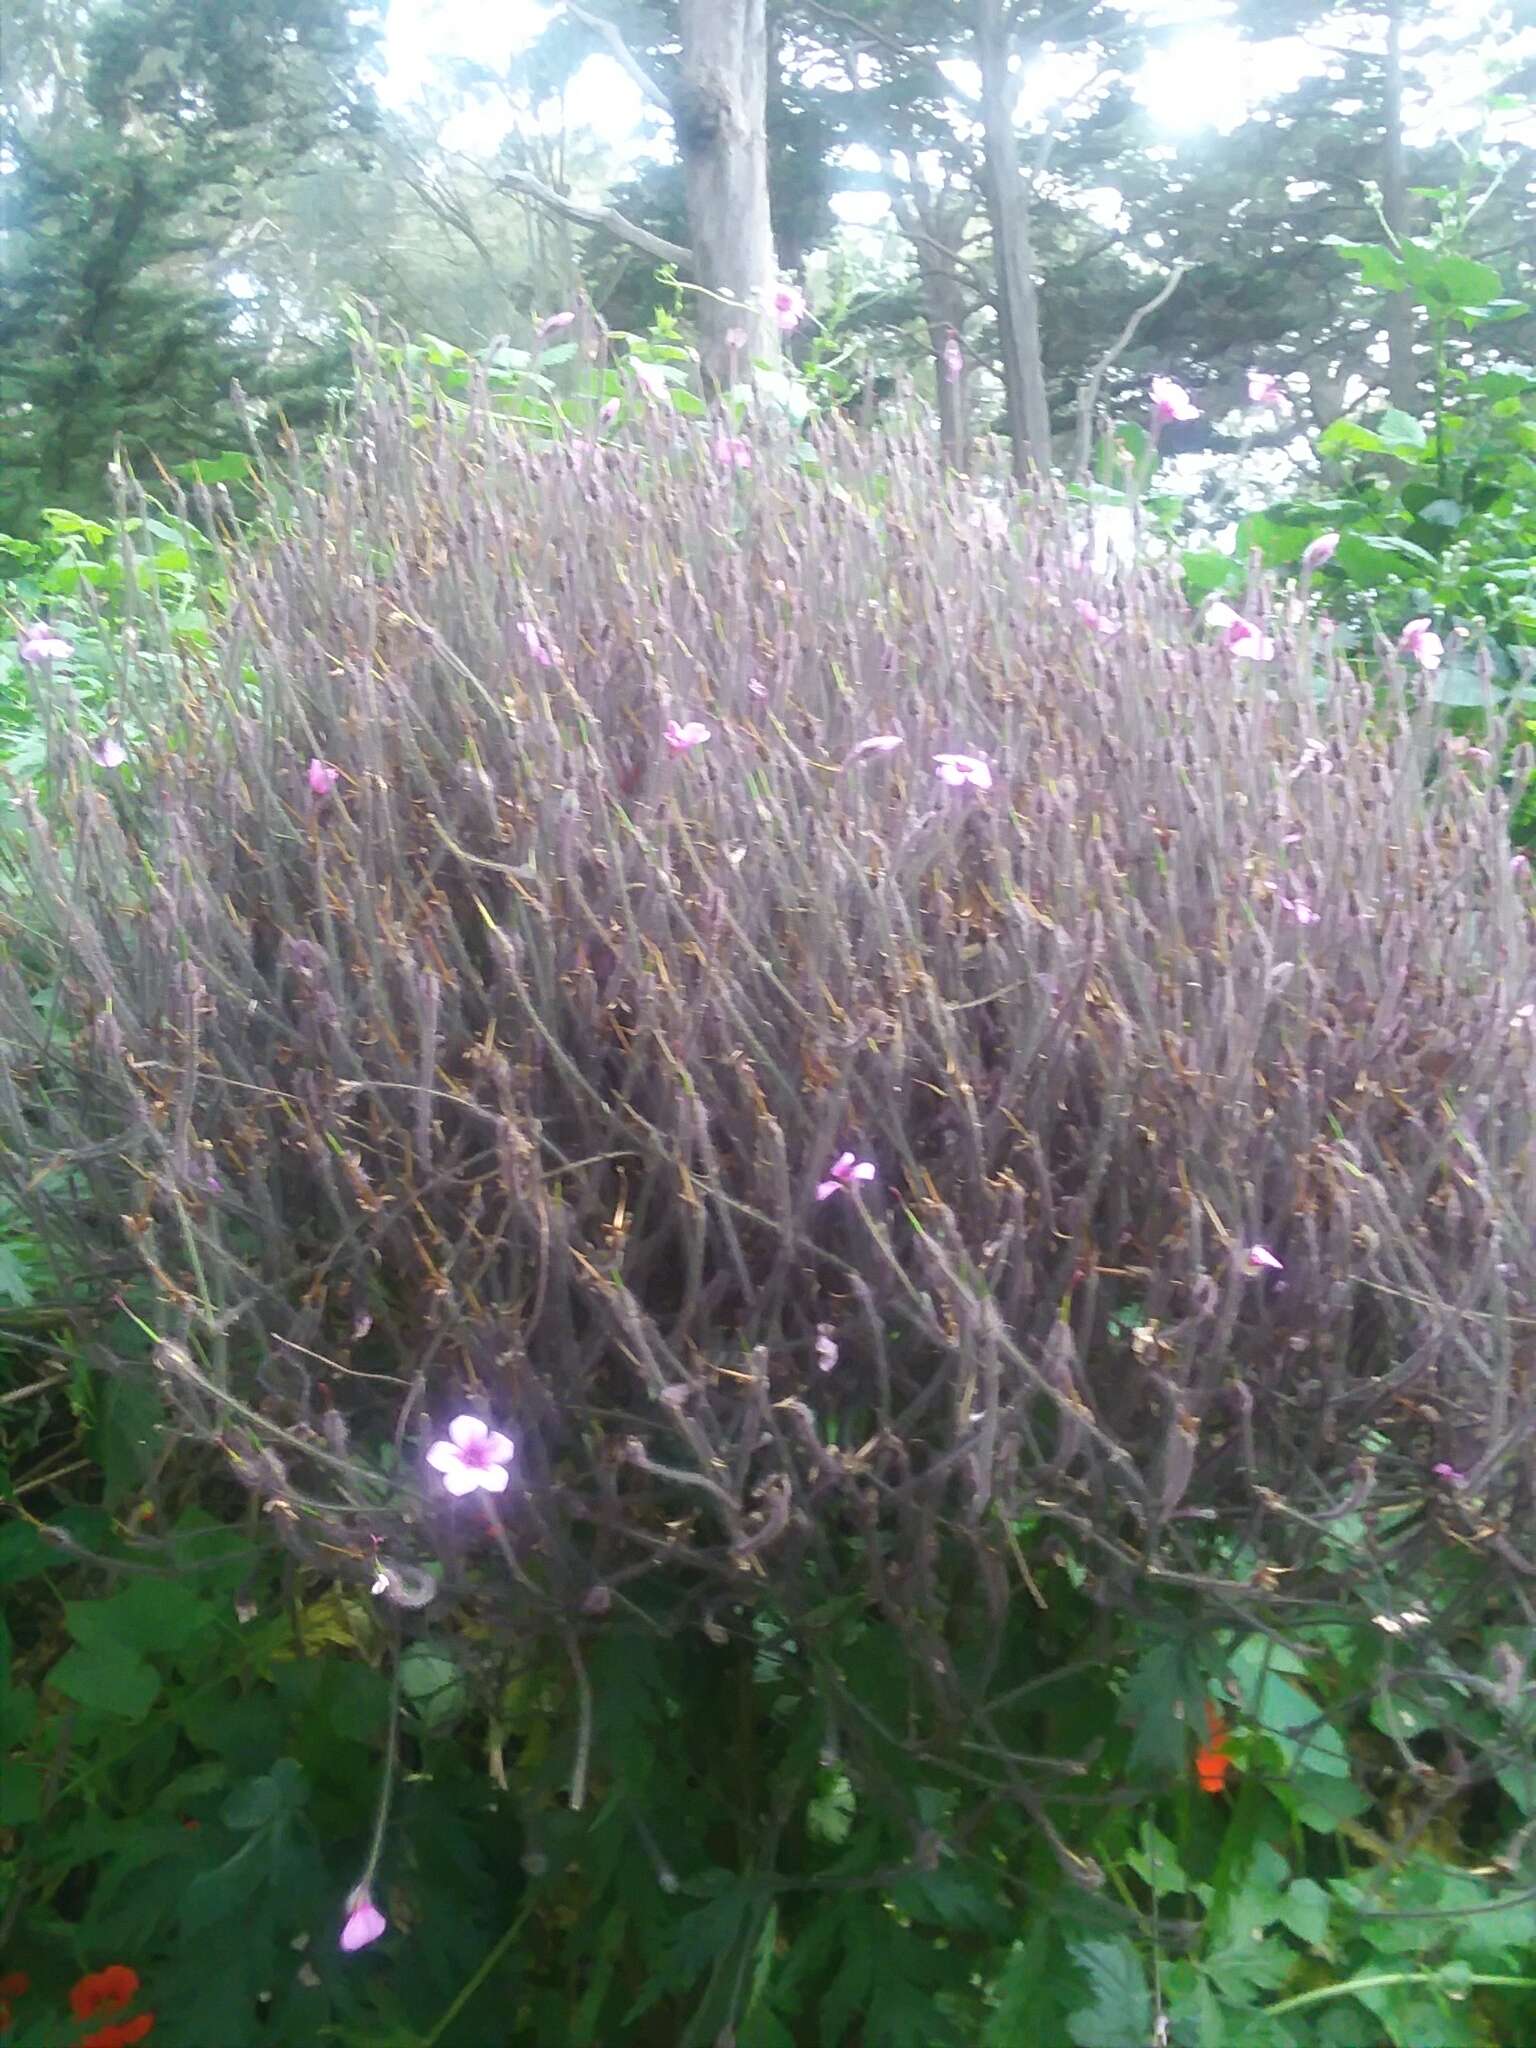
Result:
x=500 y=1447
x=825 y=1189
x=444 y=1457
x=468 y=1430
x=493 y=1478
x=865 y=1170
x=1260 y=1259
x=364 y=1923
x=462 y=1479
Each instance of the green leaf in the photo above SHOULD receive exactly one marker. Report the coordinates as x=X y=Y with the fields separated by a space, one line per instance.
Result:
x=829 y=1816
x=277 y=1796
x=147 y=1616
x=552 y=358
x=1399 y=430
x=1305 y=1910
x=1205 y=570
x=109 y=1679
x=1164 y=1699
x=1449 y=282
x=1344 y=435
x=432 y=1685
x=1283 y=1712
x=225 y=468
x=1120 y=2012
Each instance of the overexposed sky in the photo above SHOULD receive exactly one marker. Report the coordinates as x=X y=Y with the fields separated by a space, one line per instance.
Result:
x=1203 y=76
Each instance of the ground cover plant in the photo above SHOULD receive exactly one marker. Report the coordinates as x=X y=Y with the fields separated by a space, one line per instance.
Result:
x=859 y=1206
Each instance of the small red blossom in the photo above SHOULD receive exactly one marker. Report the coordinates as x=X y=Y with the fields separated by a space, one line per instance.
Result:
x=1212 y=1764
x=103 y=1991
x=121 y=2033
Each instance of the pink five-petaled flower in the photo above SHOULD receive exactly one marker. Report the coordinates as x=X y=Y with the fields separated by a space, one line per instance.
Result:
x=472 y=1455
x=787 y=306
x=1420 y=640
x=680 y=738
x=958 y=770
x=1264 y=389
x=1239 y=636
x=323 y=778
x=1089 y=613
x=877 y=743
x=364 y=1921
x=732 y=452
x=1318 y=551
x=1171 y=401
x=109 y=751
x=845 y=1172
x=41 y=643
x=954 y=357
x=1260 y=1259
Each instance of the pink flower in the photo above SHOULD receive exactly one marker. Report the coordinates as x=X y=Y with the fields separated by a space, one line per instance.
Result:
x=1260 y=1259
x=608 y=412
x=826 y=1347
x=1418 y=639
x=959 y=769
x=472 y=1455
x=954 y=357
x=542 y=650
x=364 y=1921
x=787 y=306
x=1450 y=1474
x=845 y=1172
x=41 y=643
x=732 y=452
x=1171 y=401
x=877 y=743
x=323 y=778
x=1300 y=910
x=553 y=324
x=109 y=751
x=681 y=737
x=651 y=378
x=1318 y=551
x=735 y=339
x=1238 y=634
x=1089 y=613
x=1264 y=389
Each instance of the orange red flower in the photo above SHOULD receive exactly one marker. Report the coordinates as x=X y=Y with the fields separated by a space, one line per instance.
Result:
x=110 y=1990
x=1212 y=1763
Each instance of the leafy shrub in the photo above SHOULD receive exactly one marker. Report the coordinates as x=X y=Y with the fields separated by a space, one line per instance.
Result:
x=428 y=1033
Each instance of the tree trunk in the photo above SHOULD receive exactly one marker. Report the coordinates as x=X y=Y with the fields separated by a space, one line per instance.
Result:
x=1402 y=373
x=1008 y=203
x=721 y=116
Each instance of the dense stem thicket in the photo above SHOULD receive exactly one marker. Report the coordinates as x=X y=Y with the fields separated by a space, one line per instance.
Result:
x=505 y=1074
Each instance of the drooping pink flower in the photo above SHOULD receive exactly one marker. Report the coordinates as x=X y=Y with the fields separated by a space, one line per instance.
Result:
x=958 y=770
x=1091 y=616
x=472 y=1455
x=1318 y=551
x=787 y=305
x=680 y=738
x=826 y=1347
x=1264 y=389
x=41 y=643
x=846 y=1171
x=542 y=650
x=109 y=751
x=323 y=778
x=732 y=452
x=877 y=743
x=1419 y=639
x=1170 y=401
x=364 y=1921
x=1239 y=635
x=954 y=357
x=1260 y=1259
x=553 y=323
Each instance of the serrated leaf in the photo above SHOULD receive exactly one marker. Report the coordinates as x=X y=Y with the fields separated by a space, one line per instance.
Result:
x=1119 y=2014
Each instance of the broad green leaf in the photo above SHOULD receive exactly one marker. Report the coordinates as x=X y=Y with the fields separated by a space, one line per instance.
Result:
x=1400 y=430
x=432 y=1685
x=109 y=1679
x=1164 y=1699
x=1288 y=1716
x=262 y=1801
x=225 y=468
x=1378 y=267
x=147 y=1616
x=1344 y=435
x=1119 y=2014
x=1305 y=1910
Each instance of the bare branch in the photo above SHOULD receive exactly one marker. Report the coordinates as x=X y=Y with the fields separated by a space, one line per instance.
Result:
x=605 y=217
x=1088 y=395
x=621 y=53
